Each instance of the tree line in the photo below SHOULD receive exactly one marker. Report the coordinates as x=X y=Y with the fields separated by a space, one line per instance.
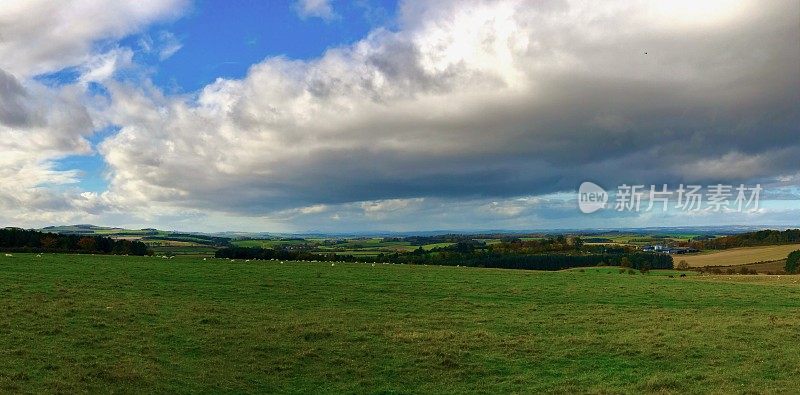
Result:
x=22 y=240
x=459 y=256
x=750 y=239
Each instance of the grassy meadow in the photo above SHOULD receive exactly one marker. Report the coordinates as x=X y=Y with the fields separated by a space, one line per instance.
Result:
x=75 y=323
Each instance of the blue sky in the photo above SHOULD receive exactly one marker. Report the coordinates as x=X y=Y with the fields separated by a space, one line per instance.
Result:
x=223 y=39
x=368 y=115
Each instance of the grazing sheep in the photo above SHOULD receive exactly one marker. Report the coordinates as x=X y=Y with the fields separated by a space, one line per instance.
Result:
x=333 y=264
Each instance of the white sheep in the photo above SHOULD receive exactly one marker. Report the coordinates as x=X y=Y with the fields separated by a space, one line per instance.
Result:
x=9 y=255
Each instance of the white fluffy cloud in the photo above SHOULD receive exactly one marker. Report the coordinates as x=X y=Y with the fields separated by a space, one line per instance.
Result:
x=479 y=99
x=315 y=8
x=40 y=124
x=40 y=36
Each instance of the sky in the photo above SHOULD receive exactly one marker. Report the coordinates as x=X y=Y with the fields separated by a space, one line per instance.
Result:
x=344 y=116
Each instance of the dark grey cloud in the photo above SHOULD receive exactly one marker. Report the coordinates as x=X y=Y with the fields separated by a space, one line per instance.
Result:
x=13 y=111
x=476 y=100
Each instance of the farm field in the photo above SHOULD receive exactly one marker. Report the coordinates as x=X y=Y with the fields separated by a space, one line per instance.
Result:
x=78 y=323
x=173 y=247
x=739 y=256
x=641 y=239
x=771 y=267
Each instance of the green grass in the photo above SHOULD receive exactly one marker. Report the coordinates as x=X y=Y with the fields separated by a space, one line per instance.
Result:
x=267 y=243
x=428 y=247
x=128 y=324
x=355 y=247
x=193 y=250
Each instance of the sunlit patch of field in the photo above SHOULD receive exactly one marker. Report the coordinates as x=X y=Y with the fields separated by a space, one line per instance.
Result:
x=738 y=256
x=431 y=246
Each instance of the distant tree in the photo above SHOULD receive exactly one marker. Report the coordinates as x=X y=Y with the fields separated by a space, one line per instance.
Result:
x=683 y=265
x=49 y=242
x=793 y=262
x=625 y=262
x=645 y=268
x=87 y=243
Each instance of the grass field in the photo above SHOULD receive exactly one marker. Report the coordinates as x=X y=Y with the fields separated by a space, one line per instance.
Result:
x=131 y=325
x=739 y=256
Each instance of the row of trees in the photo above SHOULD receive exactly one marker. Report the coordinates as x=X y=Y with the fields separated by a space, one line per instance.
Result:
x=269 y=253
x=751 y=239
x=476 y=258
x=538 y=246
x=21 y=240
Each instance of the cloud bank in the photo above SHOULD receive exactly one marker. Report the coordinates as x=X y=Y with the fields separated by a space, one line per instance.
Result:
x=480 y=99
x=486 y=106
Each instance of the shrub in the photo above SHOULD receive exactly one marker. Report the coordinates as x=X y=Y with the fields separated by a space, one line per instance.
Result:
x=793 y=262
x=746 y=270
x=645 y=268
x=683 y=265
